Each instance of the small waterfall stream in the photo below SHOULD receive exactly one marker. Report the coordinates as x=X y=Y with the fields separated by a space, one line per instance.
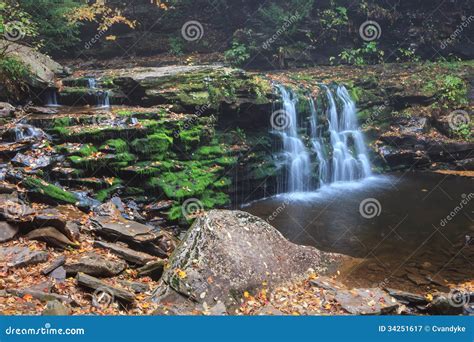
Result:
x=103 y=100
x=51 y=97
x=324 y=146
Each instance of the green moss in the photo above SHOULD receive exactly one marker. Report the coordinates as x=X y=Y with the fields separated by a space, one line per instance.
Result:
x=52 y=191
x=118 y=145
x=156 y=144
x=86 y=150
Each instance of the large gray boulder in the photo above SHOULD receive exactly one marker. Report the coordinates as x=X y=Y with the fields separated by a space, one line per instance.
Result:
x=43 y=69
x=228 y=252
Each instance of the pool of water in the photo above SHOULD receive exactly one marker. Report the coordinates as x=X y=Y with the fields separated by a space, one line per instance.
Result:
x=407 y=226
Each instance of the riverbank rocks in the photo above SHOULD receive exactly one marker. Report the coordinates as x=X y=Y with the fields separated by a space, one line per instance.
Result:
x=22 y=256
x=7 y=231
x=226 y=253
x=95 y=265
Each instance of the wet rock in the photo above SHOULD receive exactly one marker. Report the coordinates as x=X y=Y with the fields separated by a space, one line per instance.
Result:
x=228 y=252
x=418 y=279
x=153 y=269
x=96 y=284
x=442 y=305
x=25 y=133
x=22 y=256
x=366 y=301
x=95 y=265
x=56 y=308
x=42 y=110
x=51 y=236
x=407 y=297
x=134 y=257
x=7 y=231
x=32 y=162
x=58 y=262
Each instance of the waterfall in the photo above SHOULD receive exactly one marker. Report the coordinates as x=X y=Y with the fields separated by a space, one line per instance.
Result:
x=51 y=97
x=295 y=154
x=103 y=100
x=102 y=96
x=335 y=150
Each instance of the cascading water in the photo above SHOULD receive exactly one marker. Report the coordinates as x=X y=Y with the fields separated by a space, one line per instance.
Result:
x=296 y=156
x=103 y=100
x=335 y=151
x=51 y=97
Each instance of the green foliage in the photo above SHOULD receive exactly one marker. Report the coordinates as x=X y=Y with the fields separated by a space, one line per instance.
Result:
x=334 y=17
x=176 y=46
x=464 y=131
x=55 y=33
x=407 y=55
x=450 y=90
x=13 y=76
x=369 y=53
x=237 y=55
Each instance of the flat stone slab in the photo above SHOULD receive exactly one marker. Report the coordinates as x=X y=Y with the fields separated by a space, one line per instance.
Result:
x=407 y=297
x=371 y=301
x=130 y=255
x=51 y=236
x=22 y=256
x=114 y=228
x=7 y=231
x=98 y=285
x=95 y=265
